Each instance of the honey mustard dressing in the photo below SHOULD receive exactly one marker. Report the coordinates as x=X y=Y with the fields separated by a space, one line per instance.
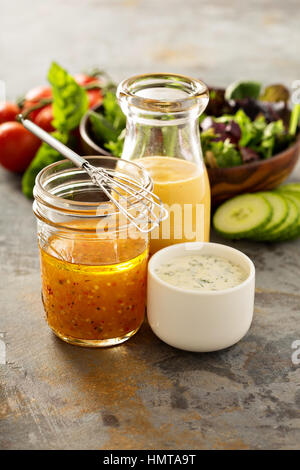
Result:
x=184 y=189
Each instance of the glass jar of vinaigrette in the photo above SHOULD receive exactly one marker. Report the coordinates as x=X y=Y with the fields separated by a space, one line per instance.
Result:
x=162 y=134
x=93 y=261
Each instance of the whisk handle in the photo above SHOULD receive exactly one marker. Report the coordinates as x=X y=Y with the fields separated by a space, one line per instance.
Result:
x=54 y=143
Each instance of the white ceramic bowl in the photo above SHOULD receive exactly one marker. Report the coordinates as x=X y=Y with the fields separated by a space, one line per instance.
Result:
x=200 y=320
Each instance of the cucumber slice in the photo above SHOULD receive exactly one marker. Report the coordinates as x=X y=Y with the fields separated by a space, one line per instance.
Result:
x=280 y=212
x=243 y=89
x=242 y=216
x=287 y=229
x=289 y=187
x=296 y=199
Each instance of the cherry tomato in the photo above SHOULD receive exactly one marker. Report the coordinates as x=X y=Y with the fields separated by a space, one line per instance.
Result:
x=44 y=118
x=84 y=79
x=94 y=96
x=38 y=93
x=34 y=96
x=17 y=146
x=8 y=112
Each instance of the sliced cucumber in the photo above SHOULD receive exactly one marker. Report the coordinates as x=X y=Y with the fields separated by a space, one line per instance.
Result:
x=242 y=216
x=287 y=229
x=289 y=187
x=296 y=199
x=280 y=212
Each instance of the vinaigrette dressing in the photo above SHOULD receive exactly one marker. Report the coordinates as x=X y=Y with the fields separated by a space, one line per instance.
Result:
x=93 y=260
x=93 y=301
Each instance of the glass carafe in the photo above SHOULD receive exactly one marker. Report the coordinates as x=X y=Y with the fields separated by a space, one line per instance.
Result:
x=162 y=134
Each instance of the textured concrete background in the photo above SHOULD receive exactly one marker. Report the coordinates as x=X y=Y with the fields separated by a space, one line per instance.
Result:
x=217 y=40
x=145 y=394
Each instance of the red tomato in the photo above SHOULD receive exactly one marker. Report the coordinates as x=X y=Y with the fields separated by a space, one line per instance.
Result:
x=34 y=96
x=17 y=146
x=8 y=112
x=94 y=96
x=37 y=94
x=83 y=79
x=44 y=118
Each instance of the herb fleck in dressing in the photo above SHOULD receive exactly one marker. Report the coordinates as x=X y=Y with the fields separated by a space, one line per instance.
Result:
x=201 y=272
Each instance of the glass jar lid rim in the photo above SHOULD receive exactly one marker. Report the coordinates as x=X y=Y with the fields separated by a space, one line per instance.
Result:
x=45 y=196
x=196 y=87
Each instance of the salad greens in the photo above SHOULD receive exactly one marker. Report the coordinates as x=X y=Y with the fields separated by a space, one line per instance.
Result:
x=70 y=103
x=116 y=147
x=241 y=124
x=295 y=116
x=102 y=126
x=70 y=100
x=113 y=112
x=243 y=89
x=45 y=156
x=251 y=89
x=220 y=154
x=108 y=127
x=275 y=93
x=257 y=139
x=238 y=127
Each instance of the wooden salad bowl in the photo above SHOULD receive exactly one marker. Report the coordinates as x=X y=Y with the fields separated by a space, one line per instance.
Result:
x=251 y=177
x=225 y=182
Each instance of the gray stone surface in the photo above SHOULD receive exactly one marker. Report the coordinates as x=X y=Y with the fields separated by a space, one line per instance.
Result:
x=217 y=40
x=145 y=394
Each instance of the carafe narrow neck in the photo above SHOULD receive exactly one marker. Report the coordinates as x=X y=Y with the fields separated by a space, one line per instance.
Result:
x=167 y=136
x=162 y=113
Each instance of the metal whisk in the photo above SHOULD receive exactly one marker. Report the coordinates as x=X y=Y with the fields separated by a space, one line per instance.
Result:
x=126 y=188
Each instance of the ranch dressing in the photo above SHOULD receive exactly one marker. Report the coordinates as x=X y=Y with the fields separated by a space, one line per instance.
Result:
x=201 y=272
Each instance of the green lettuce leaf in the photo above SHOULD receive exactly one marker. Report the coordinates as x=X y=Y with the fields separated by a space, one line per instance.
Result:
x=103 y=128
x=113 y=112
x=116 y=147
x=224 y=155
x=44 y=156
x=70 y=100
